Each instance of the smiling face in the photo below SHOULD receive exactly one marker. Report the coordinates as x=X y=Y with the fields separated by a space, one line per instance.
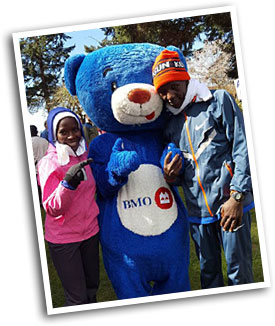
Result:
x=69 y=133
x=174 y=93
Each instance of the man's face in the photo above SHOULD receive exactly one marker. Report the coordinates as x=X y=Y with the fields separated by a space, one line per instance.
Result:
x=174 y=92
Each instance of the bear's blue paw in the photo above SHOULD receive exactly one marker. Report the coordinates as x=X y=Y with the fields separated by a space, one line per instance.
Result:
x=122 y=163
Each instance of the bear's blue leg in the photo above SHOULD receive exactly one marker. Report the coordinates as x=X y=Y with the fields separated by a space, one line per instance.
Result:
x=173 y=284
x=127 y=278
x=177 y=271
x=179 y=282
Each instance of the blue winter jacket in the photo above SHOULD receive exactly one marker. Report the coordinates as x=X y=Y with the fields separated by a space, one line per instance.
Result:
x=212 y=138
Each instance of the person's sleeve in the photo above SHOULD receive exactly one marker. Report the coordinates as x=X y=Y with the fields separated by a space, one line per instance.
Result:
x=233 y=122
x=56 y=197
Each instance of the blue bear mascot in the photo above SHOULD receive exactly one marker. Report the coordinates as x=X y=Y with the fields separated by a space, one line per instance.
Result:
x=143 y=223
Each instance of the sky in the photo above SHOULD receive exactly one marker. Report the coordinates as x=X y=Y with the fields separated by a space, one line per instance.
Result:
x=85 y=37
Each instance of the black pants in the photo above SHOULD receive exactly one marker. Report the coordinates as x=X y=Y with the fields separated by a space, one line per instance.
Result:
x=77 y=265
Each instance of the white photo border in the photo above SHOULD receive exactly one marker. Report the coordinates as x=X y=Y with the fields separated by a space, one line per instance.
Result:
x=39 y=226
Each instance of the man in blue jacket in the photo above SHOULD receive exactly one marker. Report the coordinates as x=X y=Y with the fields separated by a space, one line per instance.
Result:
x=208 y=128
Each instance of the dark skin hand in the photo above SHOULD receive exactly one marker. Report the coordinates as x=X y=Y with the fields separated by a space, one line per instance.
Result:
x=172 y=167
x=231 y=215
x=231 y=211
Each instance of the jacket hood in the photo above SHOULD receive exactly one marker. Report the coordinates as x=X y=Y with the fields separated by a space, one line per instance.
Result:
x=52 y=114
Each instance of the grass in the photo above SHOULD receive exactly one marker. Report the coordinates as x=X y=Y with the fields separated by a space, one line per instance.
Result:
x=106 y=292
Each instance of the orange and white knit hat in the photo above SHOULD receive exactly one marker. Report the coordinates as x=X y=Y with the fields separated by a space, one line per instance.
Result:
x=167 y=68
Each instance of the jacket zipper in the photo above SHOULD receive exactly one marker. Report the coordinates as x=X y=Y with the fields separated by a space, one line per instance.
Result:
x=197 y=166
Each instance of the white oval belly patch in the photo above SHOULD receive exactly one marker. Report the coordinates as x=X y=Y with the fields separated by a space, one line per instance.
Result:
x=146 y=204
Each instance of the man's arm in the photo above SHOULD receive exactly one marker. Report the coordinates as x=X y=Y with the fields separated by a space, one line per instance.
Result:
x=233 y=122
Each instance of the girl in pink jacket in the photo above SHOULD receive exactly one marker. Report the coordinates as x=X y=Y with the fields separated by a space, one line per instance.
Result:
x=68 y=196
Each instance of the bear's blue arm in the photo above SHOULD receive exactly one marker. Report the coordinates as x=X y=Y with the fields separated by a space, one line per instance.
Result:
x=100 y=151
x=122 y=162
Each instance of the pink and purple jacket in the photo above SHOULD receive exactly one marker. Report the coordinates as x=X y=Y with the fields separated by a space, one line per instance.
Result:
x=71 y=215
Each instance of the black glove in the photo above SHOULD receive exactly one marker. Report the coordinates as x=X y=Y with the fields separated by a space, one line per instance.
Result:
x=75 y=174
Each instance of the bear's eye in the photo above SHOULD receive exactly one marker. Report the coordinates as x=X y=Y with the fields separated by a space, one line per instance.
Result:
x=106 y=71
x=114 y=86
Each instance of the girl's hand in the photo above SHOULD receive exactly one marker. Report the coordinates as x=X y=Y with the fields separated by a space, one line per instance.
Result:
x=75 y=174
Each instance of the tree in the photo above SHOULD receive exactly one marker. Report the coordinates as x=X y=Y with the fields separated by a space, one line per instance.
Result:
x=178 y=32
x=62 y=97
x=210 y=65
x=181 y=32
x=43 y=58
x=219 y=27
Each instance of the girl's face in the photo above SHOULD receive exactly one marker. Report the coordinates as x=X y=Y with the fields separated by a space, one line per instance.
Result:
x=68 y=133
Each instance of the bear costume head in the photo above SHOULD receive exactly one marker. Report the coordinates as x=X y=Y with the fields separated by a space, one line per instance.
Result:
x=114 y=86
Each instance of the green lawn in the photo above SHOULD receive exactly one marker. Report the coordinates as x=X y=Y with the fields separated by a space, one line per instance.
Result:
x=106 y=292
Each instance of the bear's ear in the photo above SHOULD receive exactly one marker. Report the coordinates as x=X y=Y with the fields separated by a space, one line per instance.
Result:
x=182 y=58
x=70 y=71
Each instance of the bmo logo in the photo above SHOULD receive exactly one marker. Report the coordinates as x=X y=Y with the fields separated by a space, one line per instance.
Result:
x=163 y=198
x=132 y=203
x=146 y=204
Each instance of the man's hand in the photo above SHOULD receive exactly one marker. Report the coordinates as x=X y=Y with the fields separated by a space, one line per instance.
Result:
x=172 y=168
x=231 y=215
